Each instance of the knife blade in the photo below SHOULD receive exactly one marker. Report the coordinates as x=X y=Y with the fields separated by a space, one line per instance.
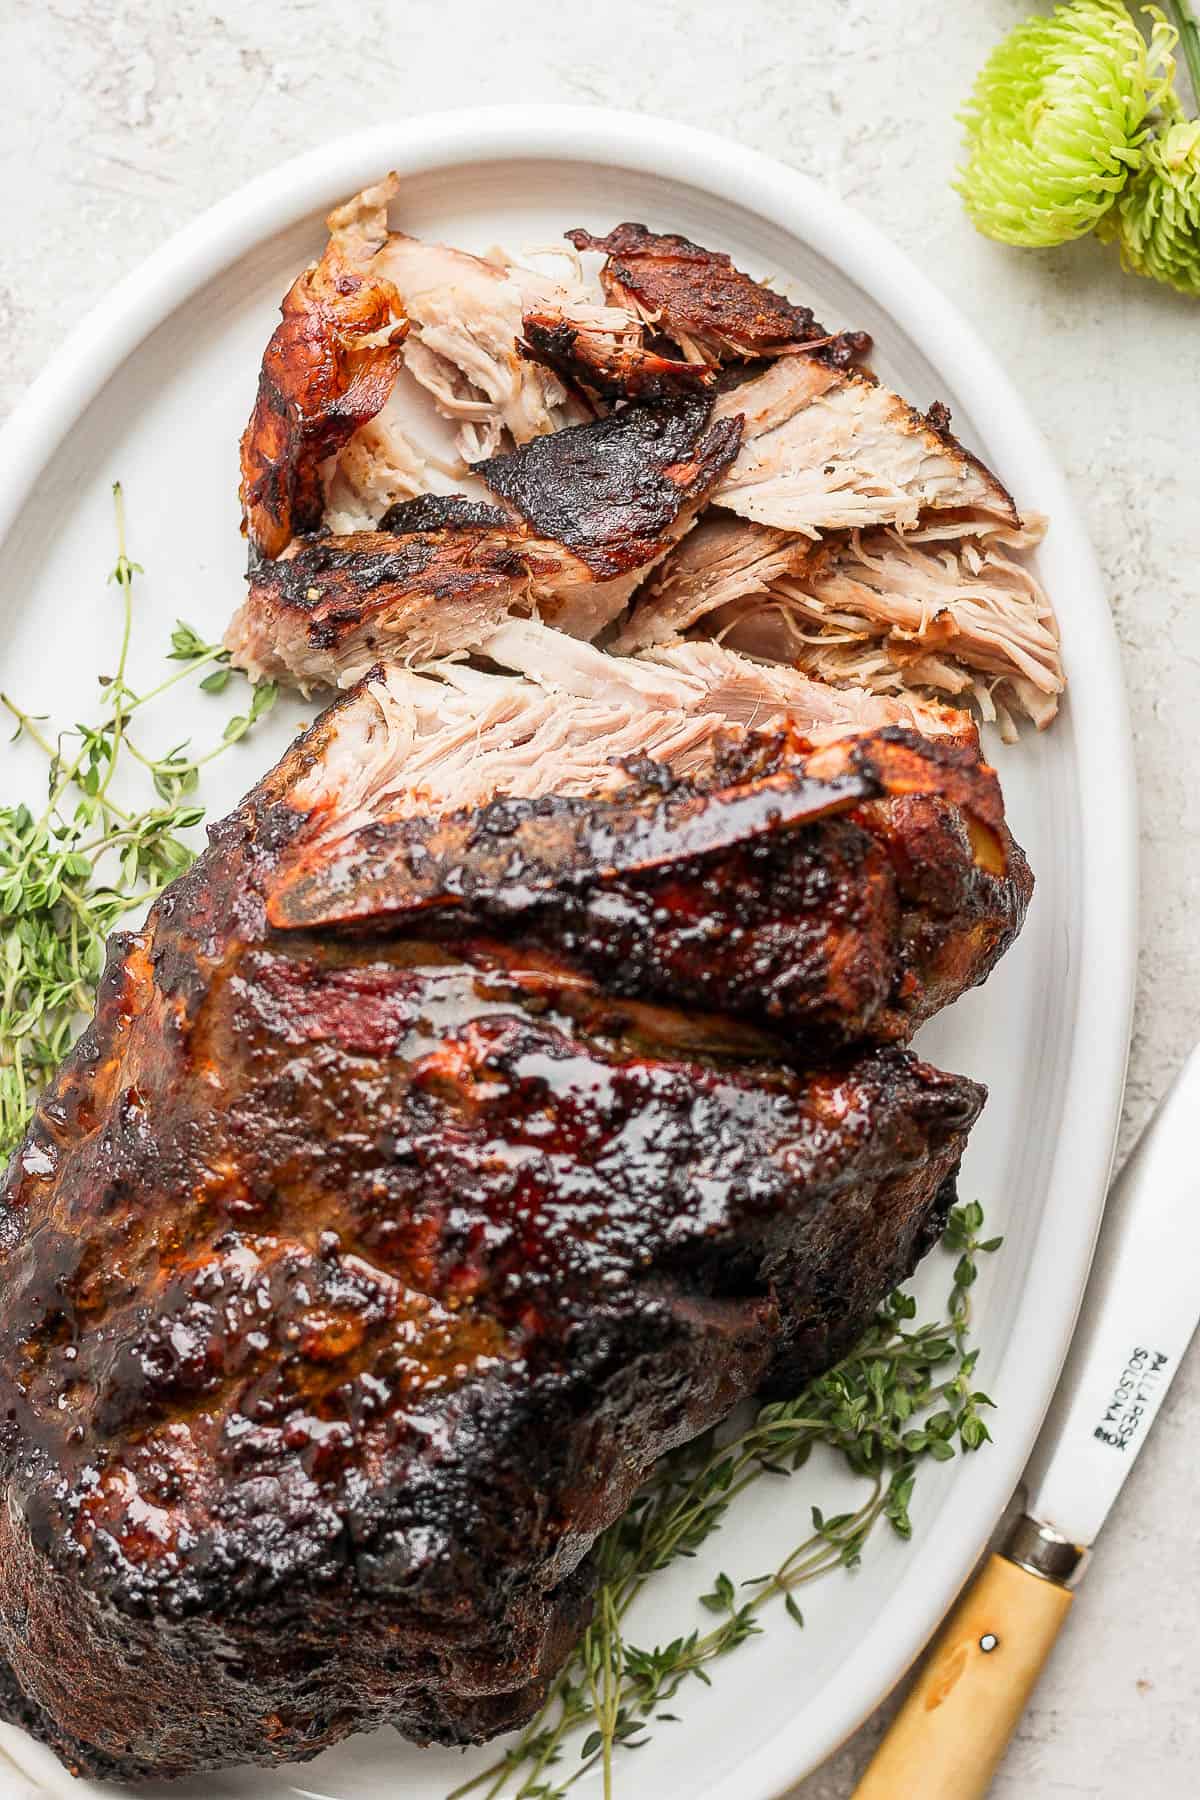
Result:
x=1140 y=1311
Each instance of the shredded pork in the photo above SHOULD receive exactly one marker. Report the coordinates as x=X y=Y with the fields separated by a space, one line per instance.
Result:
x=948 y=607
x=961 y=616
x=586 y=513
x=852 y=539
x=466 y=318
x=567 y=718
x=828 y=449
x=723 y=559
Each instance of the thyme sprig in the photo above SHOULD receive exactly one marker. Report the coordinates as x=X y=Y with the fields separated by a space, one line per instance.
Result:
x=904 y=1396
x=86 y=860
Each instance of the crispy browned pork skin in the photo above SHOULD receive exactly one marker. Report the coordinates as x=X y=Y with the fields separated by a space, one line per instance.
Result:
x=602 y=352
x=617 y=492
x=329 y=367
x=698 y=300
x=587 y=512
x=355 y=1278
x=324 y=444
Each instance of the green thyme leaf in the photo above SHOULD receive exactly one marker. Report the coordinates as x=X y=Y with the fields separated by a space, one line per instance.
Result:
x=70 y=874
x=901 y=1399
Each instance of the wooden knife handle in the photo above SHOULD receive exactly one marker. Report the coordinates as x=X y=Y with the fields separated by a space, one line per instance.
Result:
x=947 y=1739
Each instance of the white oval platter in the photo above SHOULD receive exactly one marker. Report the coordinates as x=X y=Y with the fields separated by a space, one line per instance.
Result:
x=154 y=388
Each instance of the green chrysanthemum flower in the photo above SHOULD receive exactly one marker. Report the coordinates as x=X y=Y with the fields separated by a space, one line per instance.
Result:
x=1156 y=222
x=1057 y=121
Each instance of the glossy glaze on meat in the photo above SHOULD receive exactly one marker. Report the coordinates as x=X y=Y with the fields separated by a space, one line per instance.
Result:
x=328 y=369
x=839 y=896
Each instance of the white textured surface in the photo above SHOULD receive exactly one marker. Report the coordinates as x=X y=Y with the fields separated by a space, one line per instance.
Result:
x=119 y=123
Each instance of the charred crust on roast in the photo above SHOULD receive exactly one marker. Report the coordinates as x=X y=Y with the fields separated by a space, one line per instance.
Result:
x=612 y=490
x=337 y=583
x=435 y=512
x=306 y=1401
x=612 y=371
x=847 y=904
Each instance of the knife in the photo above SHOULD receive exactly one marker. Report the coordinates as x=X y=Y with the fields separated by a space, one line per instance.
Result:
x=1140 y=1310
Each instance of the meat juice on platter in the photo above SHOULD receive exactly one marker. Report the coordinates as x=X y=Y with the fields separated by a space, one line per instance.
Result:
x=521 y=1079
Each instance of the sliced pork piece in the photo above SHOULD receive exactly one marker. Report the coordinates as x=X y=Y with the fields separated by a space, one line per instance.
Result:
x=327 y=610
x=329 y=367
x=591 y=509
x=837 y=894
x=602 y=351
x=465 y=351
x=890 y=611
x=697 y=299
x=826 y=449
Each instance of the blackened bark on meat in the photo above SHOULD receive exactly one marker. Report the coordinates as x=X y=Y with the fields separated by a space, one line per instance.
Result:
x=699 y=300
x=603 y=500
x=604 y=369
x=436 y=512
x=613 y=491
x=335 y=584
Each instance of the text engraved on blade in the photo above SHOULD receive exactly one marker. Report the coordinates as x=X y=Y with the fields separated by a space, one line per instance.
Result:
x=1134 y=1398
